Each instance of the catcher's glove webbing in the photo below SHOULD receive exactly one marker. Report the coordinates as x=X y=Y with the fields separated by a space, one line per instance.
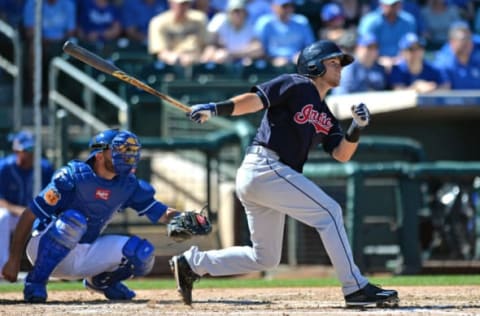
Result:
x=188 y=224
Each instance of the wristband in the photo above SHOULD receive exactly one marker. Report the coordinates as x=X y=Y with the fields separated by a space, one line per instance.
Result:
x=225 y=108
x=353 y=133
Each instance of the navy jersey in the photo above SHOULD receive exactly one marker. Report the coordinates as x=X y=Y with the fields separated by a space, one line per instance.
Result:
x=77 y=187
x=296 y=119
x=17 y=183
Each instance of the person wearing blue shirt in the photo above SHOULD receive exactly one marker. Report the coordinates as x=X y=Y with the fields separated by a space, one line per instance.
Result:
x=136 y=16
x=283 y=33
x=69 y=215
x=413 y=71
x=365 y=73
x=389 y=23
x=460 y=58
x=16 y=187
x=99 y=22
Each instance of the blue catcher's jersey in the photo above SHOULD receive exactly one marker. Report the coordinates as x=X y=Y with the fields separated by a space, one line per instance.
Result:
x=77 y=187
x=296 y=119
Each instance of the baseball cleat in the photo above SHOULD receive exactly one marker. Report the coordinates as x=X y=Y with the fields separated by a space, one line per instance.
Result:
x=35 y=292
x=372 y=295
x=116 y=291
x=184 y=276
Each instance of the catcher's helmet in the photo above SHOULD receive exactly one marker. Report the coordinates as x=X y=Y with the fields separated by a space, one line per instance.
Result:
x=310 y=61
x=125 y=148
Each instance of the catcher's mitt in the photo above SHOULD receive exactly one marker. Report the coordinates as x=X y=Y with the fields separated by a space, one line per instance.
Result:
x=188 y=224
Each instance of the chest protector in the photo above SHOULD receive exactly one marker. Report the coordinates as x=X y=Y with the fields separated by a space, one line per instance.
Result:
x=98 y=199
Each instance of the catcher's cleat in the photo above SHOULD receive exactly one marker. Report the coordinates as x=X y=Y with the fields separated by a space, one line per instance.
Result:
x=184 y=276
x=35 y=292
x=116 y=291
x=372 y=295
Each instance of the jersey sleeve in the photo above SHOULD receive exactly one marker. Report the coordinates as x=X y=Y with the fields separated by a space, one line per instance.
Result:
x=276 y=91
x=144 y=203
x=55 y=196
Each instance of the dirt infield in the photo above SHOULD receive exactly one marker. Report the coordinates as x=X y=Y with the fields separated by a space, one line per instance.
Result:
x=438 y=300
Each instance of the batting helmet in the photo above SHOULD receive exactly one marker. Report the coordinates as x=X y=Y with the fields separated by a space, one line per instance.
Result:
x=310 y=61
x=125 y=148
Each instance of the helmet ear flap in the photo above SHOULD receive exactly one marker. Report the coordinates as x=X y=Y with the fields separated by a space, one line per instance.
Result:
x=316 y=68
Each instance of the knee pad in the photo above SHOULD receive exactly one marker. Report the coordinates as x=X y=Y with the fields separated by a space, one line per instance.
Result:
x=56 y=243
x=139 y=253
x=68 y=229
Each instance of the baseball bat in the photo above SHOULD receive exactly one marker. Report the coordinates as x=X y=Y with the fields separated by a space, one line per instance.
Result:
x=103 y=65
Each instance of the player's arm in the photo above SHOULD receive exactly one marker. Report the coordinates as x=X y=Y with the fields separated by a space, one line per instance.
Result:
x=14 y=209
x=348 y=145
x=245 y=103
x=20 y=236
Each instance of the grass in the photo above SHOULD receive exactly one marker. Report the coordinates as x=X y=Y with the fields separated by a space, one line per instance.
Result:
x=387 y=281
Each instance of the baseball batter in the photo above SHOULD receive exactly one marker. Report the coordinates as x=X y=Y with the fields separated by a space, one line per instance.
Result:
x=71 y=212
x=270 y=183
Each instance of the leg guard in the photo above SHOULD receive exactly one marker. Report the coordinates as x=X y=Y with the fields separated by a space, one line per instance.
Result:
x=137 y=261
x=56 y=243
x=54 y=246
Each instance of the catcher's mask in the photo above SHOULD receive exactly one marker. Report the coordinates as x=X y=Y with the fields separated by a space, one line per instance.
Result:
x=125 y=148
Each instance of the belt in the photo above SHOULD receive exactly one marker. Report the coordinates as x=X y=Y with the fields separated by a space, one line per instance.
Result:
x=257 y=149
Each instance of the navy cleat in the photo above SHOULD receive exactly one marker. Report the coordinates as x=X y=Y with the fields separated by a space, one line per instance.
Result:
x=372 y=295
x=35 y=292
x=116 y=291
x=184 y=276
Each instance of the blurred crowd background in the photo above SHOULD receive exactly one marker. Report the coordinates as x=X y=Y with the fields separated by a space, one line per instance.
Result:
x=425 y=45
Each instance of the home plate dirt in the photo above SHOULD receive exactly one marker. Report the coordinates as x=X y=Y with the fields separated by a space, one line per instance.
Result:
x=437 y=300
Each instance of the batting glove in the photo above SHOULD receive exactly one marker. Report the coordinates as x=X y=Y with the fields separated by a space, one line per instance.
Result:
x=202 y=112
x=361 y=115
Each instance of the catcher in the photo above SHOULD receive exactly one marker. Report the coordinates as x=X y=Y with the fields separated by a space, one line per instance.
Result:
x=70 y=213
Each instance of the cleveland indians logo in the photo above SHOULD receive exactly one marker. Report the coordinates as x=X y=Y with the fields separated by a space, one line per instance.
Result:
x=320 y=121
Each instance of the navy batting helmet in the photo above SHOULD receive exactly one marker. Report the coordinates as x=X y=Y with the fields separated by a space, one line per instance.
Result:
x=310 y=61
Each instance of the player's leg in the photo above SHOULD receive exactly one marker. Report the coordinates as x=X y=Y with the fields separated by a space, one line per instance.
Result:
x=266 y=227
x=112 y=259
x=52 y=247
x=312 y=206
x=8 y=222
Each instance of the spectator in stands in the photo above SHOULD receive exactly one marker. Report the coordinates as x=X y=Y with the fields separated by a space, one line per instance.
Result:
x=389 y=23
x=413 y=71
x=16 y=172
x=257 y=8
x=365 y=73
x=137 y=15
x=438 y=15
x=178 y=35
x=460 y=58
x=353 y=10
x=333 y=23
x=11 y=11
x=232 y=37
x=59 y=23
x=283 y=33
x=99 y=22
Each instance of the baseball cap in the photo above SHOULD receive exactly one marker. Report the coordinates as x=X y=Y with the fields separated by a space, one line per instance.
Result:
x=389 y=2
x=236 y=4
x=23 y=141
x=331 y=11
x=409 y=40
x=367 y=40
x=283 y=2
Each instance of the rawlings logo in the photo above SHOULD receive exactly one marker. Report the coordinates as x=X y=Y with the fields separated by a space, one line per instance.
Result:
x=320 y=121
x=102 y=194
